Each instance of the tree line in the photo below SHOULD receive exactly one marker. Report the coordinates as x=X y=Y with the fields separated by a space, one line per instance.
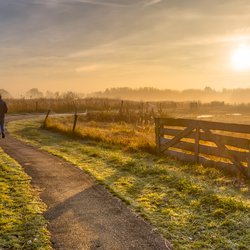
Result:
x=200 y=95
x=205 y=95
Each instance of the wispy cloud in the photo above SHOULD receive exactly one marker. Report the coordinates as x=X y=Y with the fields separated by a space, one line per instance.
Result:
x=94 y=67
x=152 y=2
x=97 y=2
x=108 y=3
x=88 y=68
x=213 y=39
x=101 y=50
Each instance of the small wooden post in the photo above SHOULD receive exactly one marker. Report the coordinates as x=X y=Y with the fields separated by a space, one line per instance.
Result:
x=160 y=108
x=121 y=108
x=75 y=122
x=46 y=118
x=142 y=113
x=158 y=135
x=248 y=164
x=197 y=144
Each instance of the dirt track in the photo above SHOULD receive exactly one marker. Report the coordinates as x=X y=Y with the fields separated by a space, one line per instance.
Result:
x=81 y=213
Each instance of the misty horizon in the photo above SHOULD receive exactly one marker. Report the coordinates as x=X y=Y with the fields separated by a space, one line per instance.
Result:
x=21 y=94
x=204 y=95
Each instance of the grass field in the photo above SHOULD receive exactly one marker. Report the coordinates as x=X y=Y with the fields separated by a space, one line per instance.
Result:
x=192 y=206
x=22 y=225
x=130 y=136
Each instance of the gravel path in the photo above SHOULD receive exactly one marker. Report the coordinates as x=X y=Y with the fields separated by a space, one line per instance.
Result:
x=81 y=213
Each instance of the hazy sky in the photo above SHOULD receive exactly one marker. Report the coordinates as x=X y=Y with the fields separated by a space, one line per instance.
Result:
x=89 y=45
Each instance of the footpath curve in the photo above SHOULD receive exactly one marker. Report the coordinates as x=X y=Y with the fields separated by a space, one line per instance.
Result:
x=81 y=213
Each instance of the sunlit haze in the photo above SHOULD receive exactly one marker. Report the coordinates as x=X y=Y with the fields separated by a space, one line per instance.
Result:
x=91 y=45
x=241 y=58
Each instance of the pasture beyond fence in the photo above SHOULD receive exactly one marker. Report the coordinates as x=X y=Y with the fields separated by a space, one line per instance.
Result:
x=222 y=145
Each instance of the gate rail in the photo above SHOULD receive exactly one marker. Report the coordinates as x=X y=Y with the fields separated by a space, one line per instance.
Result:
x=223 y=145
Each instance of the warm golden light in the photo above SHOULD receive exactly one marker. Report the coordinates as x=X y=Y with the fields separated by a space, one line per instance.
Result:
x=241 y=58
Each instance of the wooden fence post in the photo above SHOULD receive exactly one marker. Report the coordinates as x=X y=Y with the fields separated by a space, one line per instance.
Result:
x=158 y=135
x=142 y=113
x=46 y=118
x=197 y=144
x=248 y=164
x=121 y=108
x=75 y=122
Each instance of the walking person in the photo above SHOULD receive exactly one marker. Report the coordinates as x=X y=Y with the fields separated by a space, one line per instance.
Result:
x=3 y=111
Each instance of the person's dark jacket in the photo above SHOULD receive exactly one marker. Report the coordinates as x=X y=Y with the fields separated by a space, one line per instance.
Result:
x=3 y=110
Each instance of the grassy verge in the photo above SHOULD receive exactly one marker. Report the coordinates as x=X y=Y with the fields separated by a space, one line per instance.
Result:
x=22 y=225
x=192 y=206
x=130 y=136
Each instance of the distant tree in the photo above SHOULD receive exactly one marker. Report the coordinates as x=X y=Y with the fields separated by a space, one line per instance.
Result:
x=57 y=95
x=70 y=95
x=49 y=94
x=194 y=95
x=5 y=94
x=33 y=94
x=208 y=89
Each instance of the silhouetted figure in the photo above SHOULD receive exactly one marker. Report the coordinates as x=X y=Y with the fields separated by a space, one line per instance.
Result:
x=3 y=111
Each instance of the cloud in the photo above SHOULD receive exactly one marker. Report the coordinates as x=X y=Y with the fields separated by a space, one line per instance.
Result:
x=96 y=51
x=152 y=2
x=213 y=39
x=88 y=68
x=95 y=67
x=108 y=3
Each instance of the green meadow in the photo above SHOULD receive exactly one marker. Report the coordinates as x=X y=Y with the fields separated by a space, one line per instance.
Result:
x=192 y=206
x=22 y=225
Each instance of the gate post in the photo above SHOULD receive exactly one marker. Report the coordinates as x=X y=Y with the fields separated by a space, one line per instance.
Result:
x=75 y=121
x=248 y=164
x=197 y=144
x=158 y=135
x=46 y=118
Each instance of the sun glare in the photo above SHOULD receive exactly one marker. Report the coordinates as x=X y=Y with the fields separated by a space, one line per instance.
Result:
x=241 y=58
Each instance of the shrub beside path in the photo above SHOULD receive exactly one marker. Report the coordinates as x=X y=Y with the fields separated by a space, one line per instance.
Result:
x=81 y=213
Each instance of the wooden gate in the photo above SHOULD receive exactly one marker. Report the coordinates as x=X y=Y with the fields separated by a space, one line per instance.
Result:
x=223 y=145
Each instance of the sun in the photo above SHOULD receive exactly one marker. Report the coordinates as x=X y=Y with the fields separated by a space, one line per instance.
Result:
x=241 y=58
